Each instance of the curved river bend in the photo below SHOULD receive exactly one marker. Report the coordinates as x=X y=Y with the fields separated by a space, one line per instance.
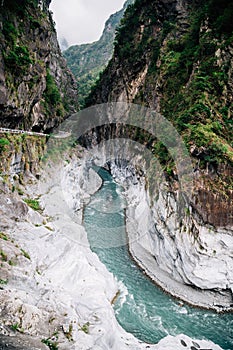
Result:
x=143 y=309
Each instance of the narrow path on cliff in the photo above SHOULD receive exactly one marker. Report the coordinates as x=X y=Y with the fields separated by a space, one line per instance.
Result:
x=141 y=308
x=17 y=131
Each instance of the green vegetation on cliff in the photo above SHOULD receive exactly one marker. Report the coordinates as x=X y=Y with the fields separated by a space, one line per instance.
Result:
x=37 y=90
x=188 y=55
x=86 y=61
x=20 y=153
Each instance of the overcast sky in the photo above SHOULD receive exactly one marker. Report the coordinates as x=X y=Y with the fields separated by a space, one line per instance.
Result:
x=82 y=21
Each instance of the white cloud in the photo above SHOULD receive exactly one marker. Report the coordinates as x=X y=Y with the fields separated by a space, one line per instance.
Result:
x=82 y=21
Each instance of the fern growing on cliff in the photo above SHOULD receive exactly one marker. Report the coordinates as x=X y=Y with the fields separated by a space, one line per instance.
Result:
x=18 y=59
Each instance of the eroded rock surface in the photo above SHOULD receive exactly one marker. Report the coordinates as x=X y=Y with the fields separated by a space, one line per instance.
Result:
x=53 y=287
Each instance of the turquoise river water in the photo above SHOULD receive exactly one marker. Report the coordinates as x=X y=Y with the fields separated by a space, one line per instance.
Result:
x=143 y=309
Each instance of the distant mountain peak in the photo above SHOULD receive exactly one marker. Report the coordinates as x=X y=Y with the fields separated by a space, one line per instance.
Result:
x=86 y=61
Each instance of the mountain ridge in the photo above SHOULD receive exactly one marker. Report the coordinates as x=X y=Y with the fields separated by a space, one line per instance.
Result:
x=87 y=61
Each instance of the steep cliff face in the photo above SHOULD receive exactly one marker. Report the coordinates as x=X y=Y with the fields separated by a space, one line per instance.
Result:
x=20 y=155
x=37 y=90
x=176 y=58
x=86 y=61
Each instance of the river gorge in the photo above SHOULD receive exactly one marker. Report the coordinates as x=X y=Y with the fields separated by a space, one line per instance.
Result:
x=141 y=308
x=67 y=294
x=116 y=168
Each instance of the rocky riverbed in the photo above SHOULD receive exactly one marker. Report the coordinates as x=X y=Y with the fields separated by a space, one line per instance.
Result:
x=53 y=288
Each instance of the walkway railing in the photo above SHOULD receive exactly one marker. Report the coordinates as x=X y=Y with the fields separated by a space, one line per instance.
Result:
x=15 y=131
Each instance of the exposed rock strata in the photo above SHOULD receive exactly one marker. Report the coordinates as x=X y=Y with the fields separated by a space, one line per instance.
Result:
x=21 y=155
x=187 y=258
x=197 y=256
x=57 y=288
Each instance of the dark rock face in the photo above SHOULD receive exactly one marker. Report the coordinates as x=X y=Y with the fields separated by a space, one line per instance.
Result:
x=37 y=90
x=183 y=343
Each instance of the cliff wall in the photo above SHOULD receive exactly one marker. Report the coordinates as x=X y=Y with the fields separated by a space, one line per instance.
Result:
x=175 y=58
x=37 y=90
